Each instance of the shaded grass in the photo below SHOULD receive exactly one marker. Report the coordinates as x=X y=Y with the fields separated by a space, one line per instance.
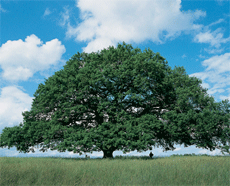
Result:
x=173 y=170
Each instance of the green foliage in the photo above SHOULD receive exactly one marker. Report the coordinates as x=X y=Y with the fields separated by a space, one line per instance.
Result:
x=82 y=92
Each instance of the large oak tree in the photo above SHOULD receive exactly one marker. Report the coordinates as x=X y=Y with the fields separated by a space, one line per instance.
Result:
x=82 y=108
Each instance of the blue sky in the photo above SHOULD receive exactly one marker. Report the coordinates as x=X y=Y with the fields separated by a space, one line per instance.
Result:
x=38 y=37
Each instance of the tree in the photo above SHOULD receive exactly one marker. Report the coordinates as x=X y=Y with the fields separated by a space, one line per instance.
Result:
x=204 y=125
x=81 y=108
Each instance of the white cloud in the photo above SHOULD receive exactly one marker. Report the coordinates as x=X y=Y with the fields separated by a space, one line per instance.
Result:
x=213 y=51
x=215 y=67
x=215 y=38
x=47 y=12
x=217 y=22
x=184 y=56
x=107 y=22
x=19 y=60
x=65 y=17
x=218 y=63
x=201 y=56
x=13 y=102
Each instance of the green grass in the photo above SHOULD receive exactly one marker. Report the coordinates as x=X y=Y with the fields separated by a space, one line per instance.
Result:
x=173 y=170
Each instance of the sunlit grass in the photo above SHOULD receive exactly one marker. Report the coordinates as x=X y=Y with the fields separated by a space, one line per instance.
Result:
x=173 y=170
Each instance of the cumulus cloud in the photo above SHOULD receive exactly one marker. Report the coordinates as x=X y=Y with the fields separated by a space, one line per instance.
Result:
x=13 y=99
x=105 y=24
x=218 y=63
x=215 y=38
x=215 y=67
x=19 y=59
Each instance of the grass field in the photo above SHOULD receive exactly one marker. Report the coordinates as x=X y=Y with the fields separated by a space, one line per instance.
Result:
x=173 y=170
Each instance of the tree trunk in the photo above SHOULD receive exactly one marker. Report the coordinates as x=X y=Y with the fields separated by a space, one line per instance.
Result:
x=108 y=153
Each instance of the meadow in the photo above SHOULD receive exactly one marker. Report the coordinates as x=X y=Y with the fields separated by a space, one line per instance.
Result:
x=122 y=170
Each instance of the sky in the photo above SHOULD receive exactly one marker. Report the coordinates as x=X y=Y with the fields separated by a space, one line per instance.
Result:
x=38 y=37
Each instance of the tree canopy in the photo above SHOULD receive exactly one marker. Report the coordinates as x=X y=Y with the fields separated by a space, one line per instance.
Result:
x=82 y=108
